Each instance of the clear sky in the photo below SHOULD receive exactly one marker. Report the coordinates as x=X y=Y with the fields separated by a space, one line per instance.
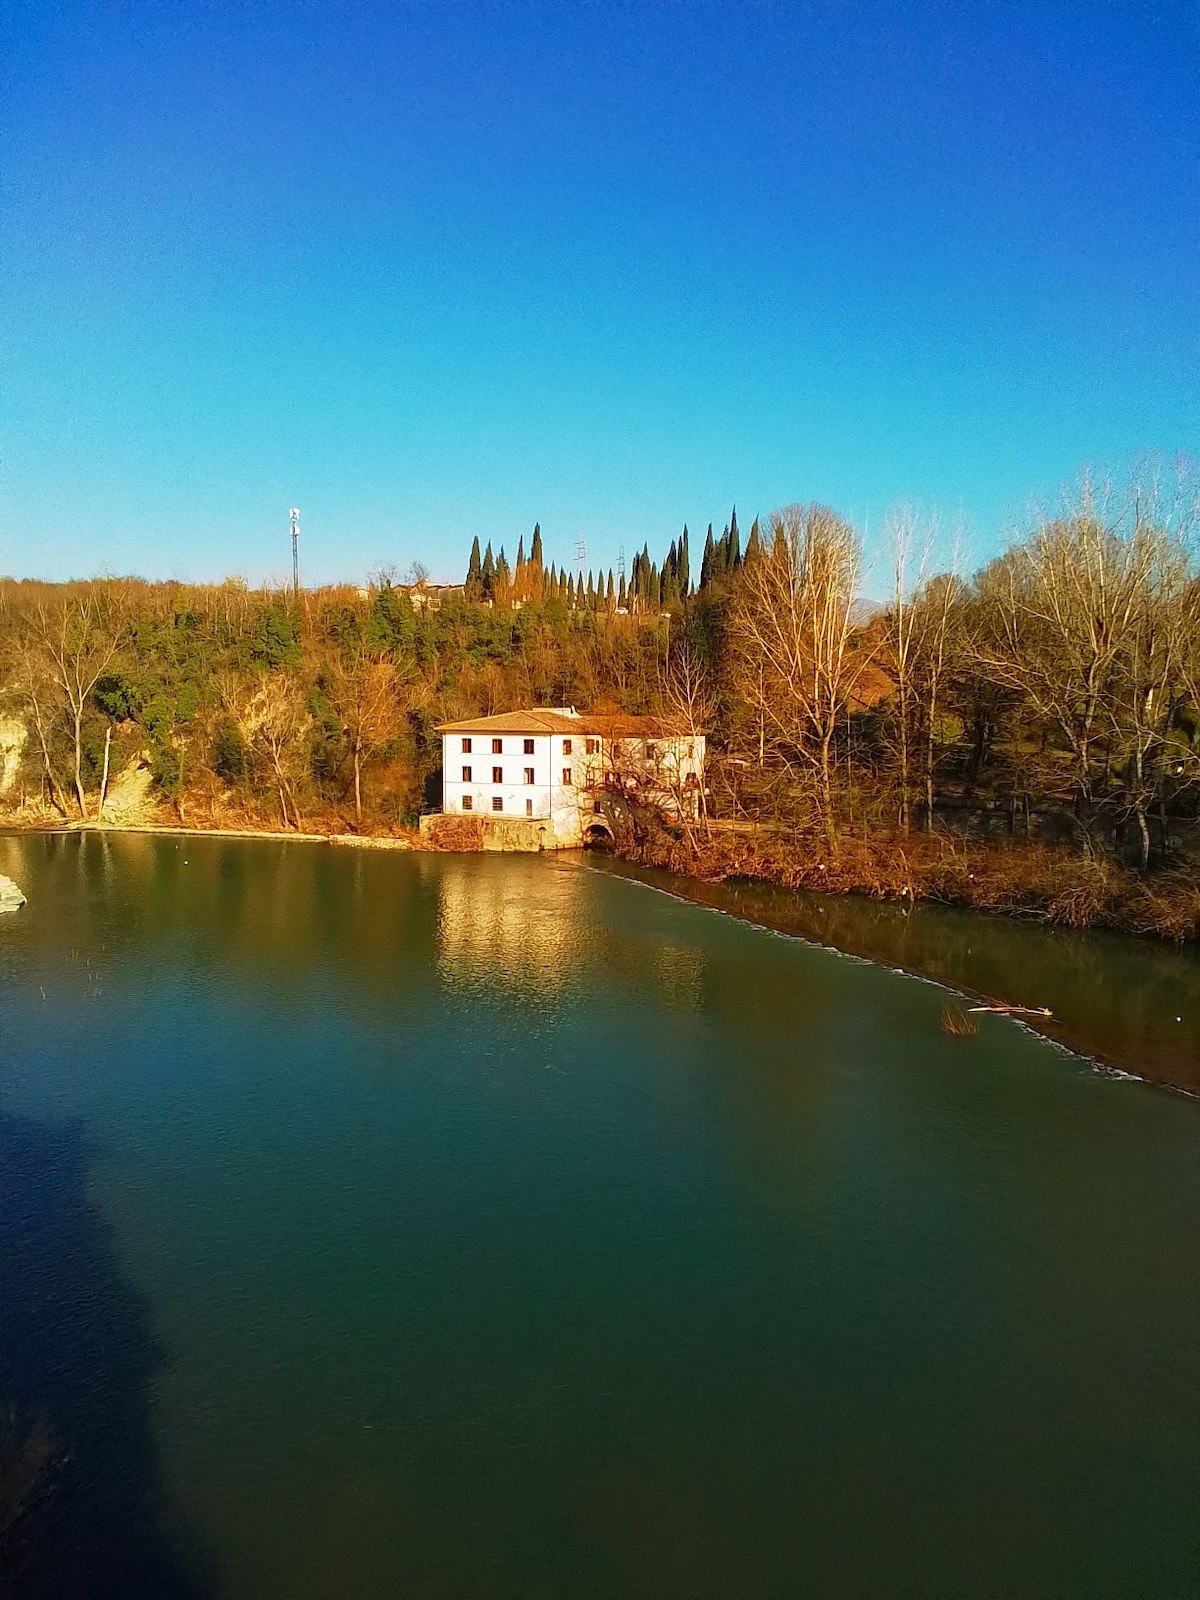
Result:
x=434 y=270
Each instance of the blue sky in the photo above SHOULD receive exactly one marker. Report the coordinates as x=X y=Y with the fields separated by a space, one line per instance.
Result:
x=428 y=271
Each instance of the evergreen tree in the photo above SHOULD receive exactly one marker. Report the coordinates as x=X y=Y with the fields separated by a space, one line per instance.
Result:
x=735 y=545
x=488 y=574
x=685 y=566
x=473 y=587
x=622 y=597
x=519 y=584
x=503 y=582
x=753 y=544
x=706 y=566
x=591 y=592
x=610 y=593
x=571 y=592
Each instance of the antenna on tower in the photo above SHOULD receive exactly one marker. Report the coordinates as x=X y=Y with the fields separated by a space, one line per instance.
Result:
x=294 y=519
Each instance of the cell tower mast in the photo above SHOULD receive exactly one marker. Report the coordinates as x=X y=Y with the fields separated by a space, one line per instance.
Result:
x=294 y=519
x=581 y=553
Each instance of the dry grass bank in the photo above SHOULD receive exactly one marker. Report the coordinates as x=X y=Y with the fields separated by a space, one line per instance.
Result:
x=1021 y=879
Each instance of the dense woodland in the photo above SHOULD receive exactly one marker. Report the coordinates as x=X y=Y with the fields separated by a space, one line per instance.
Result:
x=1036 y=720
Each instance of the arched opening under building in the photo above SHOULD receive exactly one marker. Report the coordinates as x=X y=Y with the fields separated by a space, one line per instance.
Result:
x=597 y=836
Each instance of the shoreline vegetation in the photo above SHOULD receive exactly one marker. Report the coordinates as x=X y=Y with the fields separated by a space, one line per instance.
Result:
x=1024 y=740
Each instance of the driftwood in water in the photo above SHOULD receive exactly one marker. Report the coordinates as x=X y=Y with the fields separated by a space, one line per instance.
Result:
x=1015 y=1011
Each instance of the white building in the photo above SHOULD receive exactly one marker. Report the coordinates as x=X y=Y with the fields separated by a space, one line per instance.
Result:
x=564 y=772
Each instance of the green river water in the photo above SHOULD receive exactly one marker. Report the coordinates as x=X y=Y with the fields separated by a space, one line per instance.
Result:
x=387 y=1225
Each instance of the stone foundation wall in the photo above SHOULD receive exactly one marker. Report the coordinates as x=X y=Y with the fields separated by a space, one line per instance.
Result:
x=453 y=832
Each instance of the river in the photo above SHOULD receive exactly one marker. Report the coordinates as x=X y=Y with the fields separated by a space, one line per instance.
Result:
x=382 y=1225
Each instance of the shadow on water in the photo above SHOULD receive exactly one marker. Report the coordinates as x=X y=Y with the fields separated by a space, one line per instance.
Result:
x=77 y=1352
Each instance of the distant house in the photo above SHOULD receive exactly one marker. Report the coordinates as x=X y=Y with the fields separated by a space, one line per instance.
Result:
x=563 y=776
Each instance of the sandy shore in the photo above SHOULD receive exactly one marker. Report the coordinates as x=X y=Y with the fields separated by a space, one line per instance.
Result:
x=351 y=840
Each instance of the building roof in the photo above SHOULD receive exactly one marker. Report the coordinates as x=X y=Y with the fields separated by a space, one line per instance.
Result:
x=565 y=719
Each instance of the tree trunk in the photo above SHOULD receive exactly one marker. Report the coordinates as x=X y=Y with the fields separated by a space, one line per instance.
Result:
x=79 y=765
x=104 y=777
x=1143 y=835
x=358 y=784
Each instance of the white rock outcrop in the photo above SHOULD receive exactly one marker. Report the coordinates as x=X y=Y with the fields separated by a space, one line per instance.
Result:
x=11 y=898
x=13 y=737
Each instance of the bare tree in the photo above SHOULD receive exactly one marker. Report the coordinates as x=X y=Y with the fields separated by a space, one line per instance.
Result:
x=276 y=721
x=794 y=628
x=71 y=644
x=364 y=690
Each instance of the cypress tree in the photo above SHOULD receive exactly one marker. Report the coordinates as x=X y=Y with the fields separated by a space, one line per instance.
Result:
x=591 y=592
x=622 y=597
x=571 y=592
x=685 y=566
x=610 y=594
x=473 y=587
x=535 y=548
x=503 y=583
x=753 y=544
x=488 y=574
x=706 y=566
x=735 y=544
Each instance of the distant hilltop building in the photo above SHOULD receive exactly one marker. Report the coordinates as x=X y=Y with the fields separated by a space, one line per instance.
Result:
x=553 y=778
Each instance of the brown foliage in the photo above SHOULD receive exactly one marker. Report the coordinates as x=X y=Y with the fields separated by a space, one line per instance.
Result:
x=456 y=833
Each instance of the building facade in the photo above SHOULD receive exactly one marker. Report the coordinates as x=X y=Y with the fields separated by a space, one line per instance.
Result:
x=563 y=773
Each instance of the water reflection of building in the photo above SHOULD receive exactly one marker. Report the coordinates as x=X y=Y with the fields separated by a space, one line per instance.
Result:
x=499 y=927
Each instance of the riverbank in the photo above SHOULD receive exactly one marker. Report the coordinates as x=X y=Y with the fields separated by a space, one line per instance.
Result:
x=1030 y=881
x=1127 y=1005
x=357 y=841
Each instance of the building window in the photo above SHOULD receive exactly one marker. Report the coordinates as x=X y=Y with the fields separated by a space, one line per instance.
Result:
x=497 y=802
x=466 y=775
x=467 y=803
x=466 y=747
x=529 y=747
x=651 y=751
x=566 y=747
x=567 y=776
x=497 y=747
x=528 y=774
x=529 y=808
x=497 y=774
x=593 y=745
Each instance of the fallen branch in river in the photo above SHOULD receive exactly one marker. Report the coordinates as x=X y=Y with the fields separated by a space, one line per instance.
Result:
x=1014 y=1011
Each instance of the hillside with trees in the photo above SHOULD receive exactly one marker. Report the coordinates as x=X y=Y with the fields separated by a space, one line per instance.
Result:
x=1025 y=737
